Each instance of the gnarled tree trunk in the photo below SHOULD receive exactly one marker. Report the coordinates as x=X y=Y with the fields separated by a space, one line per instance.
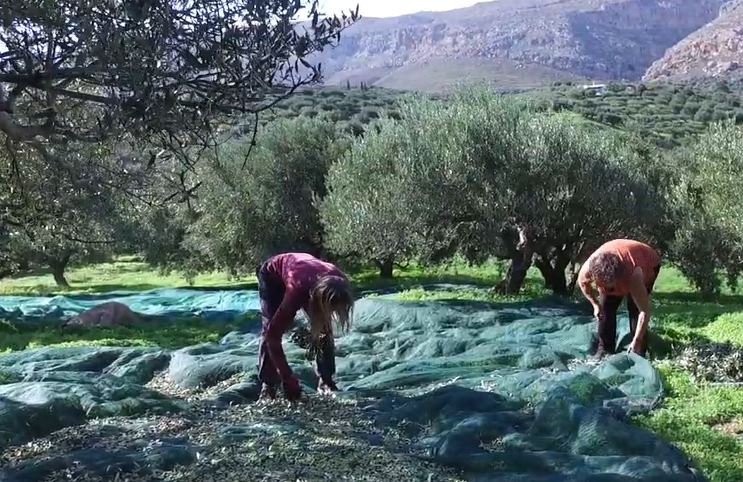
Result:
x=574 y=272
x=520 y=253
x=553 y=271
x=516 y=274
x=386 y=268
x=58 y=266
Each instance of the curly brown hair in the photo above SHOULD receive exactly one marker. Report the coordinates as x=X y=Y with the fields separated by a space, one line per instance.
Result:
x=606 y=268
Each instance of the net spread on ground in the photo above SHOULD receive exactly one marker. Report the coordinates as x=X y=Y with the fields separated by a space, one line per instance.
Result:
x=497 y=392
x=165 y=303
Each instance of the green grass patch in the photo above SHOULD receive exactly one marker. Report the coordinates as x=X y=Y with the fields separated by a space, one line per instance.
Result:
x=693 y=417
x=681 y=315
x=122 y=274
x=726 y=327
x=532 y=289
x=164 y=334
x=469 y=294
x=414 y=275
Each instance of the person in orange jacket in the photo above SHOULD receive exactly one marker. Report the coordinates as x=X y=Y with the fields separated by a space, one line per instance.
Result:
x=620 y=269
x=287 y=283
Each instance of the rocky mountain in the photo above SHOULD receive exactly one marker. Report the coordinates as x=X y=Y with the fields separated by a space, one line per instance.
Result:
x=713 y=52
x=512 y=42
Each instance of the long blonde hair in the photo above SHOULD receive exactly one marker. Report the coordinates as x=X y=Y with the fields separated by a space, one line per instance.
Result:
x=331 y=301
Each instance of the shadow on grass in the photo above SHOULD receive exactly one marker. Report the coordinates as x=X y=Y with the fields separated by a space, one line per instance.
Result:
x=108 y=288
x=365 y=284
x=73 y=291
x=679 y=339
x=118 y=267
x=535 y=302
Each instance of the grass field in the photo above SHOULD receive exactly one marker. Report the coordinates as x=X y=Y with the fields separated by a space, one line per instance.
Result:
x=125 y=273
x=703 y=419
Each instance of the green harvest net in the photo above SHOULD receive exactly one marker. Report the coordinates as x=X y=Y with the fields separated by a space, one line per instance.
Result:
x=499 y=392
x=168 y=303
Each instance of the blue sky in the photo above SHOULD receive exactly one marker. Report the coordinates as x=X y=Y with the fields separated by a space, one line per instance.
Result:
x=392 y=8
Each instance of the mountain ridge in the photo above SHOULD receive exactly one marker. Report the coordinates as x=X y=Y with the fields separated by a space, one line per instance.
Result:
x=715 y=51
x=547 y=39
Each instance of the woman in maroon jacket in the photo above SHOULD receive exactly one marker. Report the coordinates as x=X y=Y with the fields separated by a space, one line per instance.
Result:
x=287 y=283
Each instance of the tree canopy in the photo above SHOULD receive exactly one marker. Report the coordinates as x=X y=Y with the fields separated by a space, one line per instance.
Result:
x=55 y=213
x=482 y=176
x=709 y=237
x=153 y=67
x=251 y=207
x=123 y=96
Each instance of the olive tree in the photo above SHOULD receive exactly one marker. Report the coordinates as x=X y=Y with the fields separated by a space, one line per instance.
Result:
x=56 y=214
x=483 y=176
x=412 y=187
x=169 y=76
x=535 y=188
x=365 y=214
x=252 y=206
x=7 y=263
x=539 y=189
x=709 y=237
x=165 y=68
x=578 y=188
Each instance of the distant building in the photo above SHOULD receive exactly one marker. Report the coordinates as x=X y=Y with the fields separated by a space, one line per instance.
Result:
x=595 y=89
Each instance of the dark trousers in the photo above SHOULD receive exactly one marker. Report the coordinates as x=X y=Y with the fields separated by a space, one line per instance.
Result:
x=608 y=318
x=271 y=293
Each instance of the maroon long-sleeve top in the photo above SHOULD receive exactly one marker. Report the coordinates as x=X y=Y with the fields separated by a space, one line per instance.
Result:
x=299 y=273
